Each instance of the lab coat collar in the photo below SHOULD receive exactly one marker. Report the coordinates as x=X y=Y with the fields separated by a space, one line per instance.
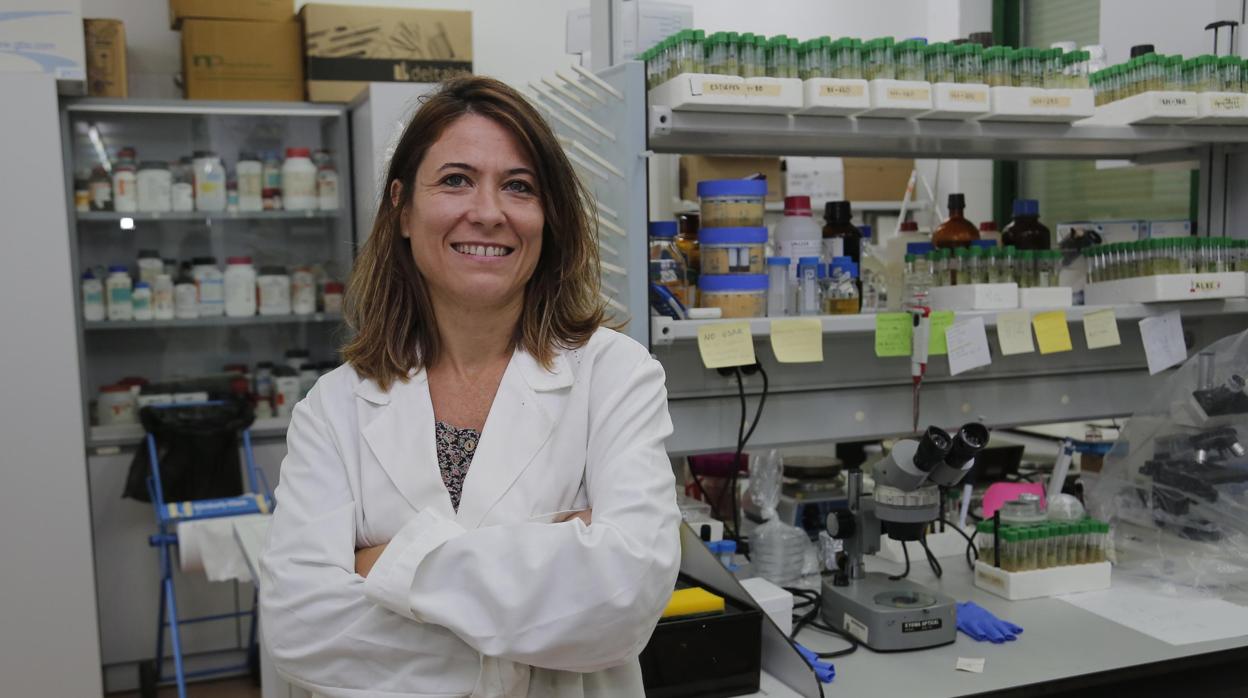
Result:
x=526 y=408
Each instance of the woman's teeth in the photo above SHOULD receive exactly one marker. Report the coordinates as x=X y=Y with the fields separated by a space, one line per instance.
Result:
x=483 y=250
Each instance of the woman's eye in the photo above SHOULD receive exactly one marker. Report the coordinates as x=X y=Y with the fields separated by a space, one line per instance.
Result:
x=519 y=186
x=455 y=180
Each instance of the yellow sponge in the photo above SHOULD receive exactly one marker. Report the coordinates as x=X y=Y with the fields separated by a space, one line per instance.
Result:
x=693 y=601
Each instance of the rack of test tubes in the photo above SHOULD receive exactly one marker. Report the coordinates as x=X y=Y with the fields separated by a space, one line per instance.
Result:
x=1022 y=561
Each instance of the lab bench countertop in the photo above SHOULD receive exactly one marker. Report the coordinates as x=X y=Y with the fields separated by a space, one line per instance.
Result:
x=1062 y=647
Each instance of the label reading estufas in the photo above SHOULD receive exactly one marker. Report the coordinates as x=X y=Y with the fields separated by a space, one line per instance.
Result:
x=909 y=94
x=1050 y=101
x=841 y=91
x=968 y=96
x=755 y=90
x=921 y=626
x=1227 y=103
x=711 y=87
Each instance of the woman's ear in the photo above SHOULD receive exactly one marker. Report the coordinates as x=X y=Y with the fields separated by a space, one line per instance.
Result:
x=396 y=200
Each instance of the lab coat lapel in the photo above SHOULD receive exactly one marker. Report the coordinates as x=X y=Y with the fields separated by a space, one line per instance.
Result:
x=526 y=408
x=402 y=439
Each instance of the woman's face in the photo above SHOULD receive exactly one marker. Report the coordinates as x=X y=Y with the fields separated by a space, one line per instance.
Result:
x=475 y=218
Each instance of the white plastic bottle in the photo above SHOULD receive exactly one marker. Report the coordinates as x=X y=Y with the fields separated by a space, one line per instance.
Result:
x=211 y=284
x=141 y=299
x=326 y=183
x=125 y=188
x=303 y=291
x=209 y=172
x=92 y=298
x=162 y=298
x=240 y=287
x=298 y=181
x=186 y=299
x=250 y=175
x=120 y=305
x=798 y=235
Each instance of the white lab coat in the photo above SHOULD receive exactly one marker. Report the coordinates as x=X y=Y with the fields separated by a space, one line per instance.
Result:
x=492 y=600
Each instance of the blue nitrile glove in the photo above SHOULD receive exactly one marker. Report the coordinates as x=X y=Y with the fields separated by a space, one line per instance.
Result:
x=976 y=621
x=823 y=670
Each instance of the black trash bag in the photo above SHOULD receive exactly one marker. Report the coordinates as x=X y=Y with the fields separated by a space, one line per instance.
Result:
x=198 y=451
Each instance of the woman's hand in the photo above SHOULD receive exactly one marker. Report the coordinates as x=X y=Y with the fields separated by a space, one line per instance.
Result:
x=365 y=558
x=585 y=515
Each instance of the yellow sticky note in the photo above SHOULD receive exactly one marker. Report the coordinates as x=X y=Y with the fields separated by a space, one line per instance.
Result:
x=1101 y=329
x=797 y=340
x=1052 y=333
x=1014 y=333
x=726 y=344
x=893 y=333
x=941 y=320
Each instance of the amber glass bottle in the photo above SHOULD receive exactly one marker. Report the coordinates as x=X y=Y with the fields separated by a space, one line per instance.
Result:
x=956 y=231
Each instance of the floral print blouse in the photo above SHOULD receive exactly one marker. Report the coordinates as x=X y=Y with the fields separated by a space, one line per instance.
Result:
x=455 y=448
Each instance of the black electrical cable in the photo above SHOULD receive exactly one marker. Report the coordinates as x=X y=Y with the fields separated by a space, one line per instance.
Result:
x=905 y=552
x=931 y=558
x=970 y=544
x=810 y=619
x=743 y=437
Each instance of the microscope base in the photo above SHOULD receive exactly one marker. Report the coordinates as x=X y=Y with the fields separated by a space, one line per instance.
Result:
x=888 y=615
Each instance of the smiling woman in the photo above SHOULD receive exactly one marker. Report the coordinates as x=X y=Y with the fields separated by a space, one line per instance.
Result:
x=479 y=501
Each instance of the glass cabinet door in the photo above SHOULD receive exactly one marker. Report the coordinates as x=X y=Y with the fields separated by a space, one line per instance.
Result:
x=213 y=243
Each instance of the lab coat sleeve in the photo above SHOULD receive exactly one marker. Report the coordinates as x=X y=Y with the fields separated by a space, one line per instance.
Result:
x=561 y=596
x=316 y=619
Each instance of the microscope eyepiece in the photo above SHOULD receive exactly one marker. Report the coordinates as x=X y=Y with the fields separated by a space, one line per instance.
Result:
x=933 y=448
x=968 y=441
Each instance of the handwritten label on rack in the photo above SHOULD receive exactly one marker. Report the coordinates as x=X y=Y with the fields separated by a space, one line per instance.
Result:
x=797 y=340
x=1052 y=332
x=964 y=96
x=726 y=344
x=1014 y=333
x=1231 y=103
x=893 y=334
x=762 y=90
x=1163 y=341
x=908 y=94
x=1050 y=102
x=1173 y=101
x=968 y=346
x=941 y=320
x=842 y=90
x=699 y=87
x=1101 y=329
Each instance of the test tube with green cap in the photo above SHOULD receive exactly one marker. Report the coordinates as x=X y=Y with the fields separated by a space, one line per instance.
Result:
x=803 y=60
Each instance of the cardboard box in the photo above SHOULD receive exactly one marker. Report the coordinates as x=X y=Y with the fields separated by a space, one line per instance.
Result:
x=242 y=60
x=876 y=179
x=44 y=36
x=347 y=47
x=252 y=10
x=106 y=57
x=697 y=168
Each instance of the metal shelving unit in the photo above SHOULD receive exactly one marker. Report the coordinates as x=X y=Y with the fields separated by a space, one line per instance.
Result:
x=223 y=321
x=203 y=216
x=733 y=133
x=853 y=395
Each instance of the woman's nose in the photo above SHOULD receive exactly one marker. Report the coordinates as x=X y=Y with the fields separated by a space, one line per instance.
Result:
x=487 y=208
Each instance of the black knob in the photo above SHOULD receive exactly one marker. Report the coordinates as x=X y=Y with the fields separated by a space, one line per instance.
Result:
x=840 y=525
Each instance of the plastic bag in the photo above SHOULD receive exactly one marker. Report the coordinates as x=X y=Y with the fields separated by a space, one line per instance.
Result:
x=780 y=553
x=198 y=450
x=766 y=474
x=1175 y=484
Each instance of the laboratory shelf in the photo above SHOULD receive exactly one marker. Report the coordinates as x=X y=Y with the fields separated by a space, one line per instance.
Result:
x=130 y=434
x=206 y=216
x=190 y=107
x=665 y=330
x=738 y=133
x=854 y=395
x=222 y=321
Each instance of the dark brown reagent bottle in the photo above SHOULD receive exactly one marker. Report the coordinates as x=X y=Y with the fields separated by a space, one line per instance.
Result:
x=1025 y=231
x=841 y=238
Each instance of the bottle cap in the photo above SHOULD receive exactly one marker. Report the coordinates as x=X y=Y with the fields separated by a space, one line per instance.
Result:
x=909 y=226
x=778 y=261
x=918 y=248
x=866 y=231
x=118 y=269
x=988 y=227
x=1141 y=49
x=142 y=284
x=149 y=254
x=238 y=260
x=957 y=201
x=805 y=261
x=1026 y=207
x=662 y=229
x=837 y=212
x=797 y=206
x=298 y=153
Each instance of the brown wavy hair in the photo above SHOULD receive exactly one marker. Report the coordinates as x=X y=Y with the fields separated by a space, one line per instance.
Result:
x=387 y=304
